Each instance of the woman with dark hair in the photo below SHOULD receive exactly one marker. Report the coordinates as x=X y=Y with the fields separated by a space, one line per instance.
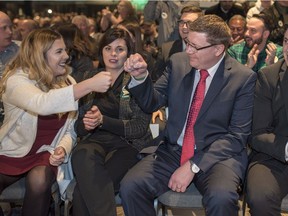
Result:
x=102 y=159
x=78 y=49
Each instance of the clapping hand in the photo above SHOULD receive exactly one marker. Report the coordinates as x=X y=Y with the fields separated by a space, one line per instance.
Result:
x=271 y=53
x=252 y=56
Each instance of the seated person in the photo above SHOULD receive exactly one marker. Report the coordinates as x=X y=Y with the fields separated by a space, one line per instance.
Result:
x=114 y=124
x=40 y=104
x=256 y=51
x=267 y=175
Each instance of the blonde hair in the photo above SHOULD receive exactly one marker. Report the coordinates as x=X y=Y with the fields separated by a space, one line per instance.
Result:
x=32 y=60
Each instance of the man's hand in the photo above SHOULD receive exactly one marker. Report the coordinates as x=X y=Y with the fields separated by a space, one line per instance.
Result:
x=271 y=53
x=93 y=118
x=181 y=178
x=252 y=56
x=136 y=66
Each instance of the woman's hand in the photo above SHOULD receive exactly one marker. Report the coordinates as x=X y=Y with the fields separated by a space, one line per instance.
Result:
x=57 y=158
x=156 y=114
x=93 y=118
x=102 y=81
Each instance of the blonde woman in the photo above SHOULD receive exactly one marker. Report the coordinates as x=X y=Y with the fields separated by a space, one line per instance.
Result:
x=40 y=104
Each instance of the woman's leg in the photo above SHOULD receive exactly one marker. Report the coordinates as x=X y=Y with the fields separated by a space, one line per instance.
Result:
x=119 y=164
x=39 y=181
x=94 y=185
x=5 y=181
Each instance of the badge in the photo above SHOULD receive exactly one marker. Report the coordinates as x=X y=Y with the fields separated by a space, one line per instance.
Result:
x=124 y=93
x=164 y=15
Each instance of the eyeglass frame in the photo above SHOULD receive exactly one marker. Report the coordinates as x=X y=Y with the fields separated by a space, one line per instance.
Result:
x=188 y=44
x=182 y=22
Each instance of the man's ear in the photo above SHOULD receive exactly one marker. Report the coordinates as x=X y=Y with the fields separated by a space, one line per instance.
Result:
x=220 y=48
x=266 y=34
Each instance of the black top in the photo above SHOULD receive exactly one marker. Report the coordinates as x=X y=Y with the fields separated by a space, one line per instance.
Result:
x=108 y=103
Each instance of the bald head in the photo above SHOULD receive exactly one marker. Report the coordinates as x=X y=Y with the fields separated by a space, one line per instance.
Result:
x=5 y=31
x=26 y=26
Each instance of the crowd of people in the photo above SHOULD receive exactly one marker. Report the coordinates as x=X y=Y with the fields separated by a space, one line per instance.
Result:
x=78 y=95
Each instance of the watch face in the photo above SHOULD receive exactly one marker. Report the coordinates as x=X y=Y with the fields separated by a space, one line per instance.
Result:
x=195 y=169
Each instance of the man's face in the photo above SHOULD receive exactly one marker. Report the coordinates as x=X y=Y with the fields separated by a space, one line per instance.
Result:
x=5 y=31
x=254 y=32
x=237 y=28
x=183 y=28
x=201 y=58
x=285 y=47
x=24 y=28
x=226 y=5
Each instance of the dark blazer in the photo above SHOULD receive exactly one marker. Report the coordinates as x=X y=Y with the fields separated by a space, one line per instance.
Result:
x=216 y=9
x=270 y=117
x=224 y=121
x=168 y=49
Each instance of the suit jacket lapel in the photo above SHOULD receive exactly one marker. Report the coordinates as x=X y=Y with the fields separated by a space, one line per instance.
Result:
x=283 y=78
x=219 y=79
x=187 y=87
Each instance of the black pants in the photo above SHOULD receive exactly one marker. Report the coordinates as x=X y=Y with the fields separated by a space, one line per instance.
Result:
x=149 y=179
x=98 y=179
x=267 y=185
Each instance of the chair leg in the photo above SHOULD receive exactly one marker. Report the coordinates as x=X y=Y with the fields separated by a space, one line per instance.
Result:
x=57 y=202
x=164 y=210
x=67 y=207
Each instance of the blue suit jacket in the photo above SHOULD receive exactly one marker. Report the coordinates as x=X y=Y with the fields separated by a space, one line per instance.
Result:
x=224 y=122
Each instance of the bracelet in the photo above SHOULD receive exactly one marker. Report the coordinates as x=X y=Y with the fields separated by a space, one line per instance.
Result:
x=140 y=79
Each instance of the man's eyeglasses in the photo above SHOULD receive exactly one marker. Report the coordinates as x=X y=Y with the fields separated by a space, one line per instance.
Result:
x=182 y=23
x=193 y=48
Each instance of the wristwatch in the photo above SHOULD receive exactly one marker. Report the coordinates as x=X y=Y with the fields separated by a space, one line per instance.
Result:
x=194 y=168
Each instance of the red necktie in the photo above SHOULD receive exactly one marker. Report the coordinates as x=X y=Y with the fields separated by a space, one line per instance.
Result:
x=198 y=98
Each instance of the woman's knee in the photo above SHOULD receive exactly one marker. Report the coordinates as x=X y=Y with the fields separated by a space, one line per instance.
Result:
x=40 y=179
x=84 y=152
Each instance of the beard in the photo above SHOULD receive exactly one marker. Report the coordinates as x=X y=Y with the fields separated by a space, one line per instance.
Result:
x=250 y=42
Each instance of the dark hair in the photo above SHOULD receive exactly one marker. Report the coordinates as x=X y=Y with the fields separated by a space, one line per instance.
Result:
x=265 y=19
x=238 y=17
x=215 y=28
x=76 y=43
x=111 y=35
x=191 y=9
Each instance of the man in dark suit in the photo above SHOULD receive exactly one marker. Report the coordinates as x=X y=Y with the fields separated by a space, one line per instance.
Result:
x=188 y=13
x=267 y=177
x=220 y=131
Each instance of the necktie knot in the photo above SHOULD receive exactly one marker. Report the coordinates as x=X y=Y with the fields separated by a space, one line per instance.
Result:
x=203 y=74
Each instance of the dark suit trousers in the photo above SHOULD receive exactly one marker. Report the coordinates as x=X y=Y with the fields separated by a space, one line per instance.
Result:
x=98 y=179
x=149 y=179
x=267 y=185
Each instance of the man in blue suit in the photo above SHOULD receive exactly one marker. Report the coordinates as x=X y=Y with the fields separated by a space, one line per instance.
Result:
x=221 y=128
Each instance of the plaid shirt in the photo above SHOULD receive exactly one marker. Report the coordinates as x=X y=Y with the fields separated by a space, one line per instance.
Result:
x=240 y=53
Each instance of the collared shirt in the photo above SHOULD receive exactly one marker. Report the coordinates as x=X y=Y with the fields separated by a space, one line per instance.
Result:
x=7 y=54
x=209 y=79
x=240 y=53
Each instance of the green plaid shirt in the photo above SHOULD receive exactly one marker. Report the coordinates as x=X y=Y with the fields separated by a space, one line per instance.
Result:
x=240 y=53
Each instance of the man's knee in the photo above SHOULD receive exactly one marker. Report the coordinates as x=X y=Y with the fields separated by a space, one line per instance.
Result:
x=221 y=197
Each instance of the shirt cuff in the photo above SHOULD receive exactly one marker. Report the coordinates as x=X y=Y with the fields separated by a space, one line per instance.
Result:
x=286 y=152
x=135 y=82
